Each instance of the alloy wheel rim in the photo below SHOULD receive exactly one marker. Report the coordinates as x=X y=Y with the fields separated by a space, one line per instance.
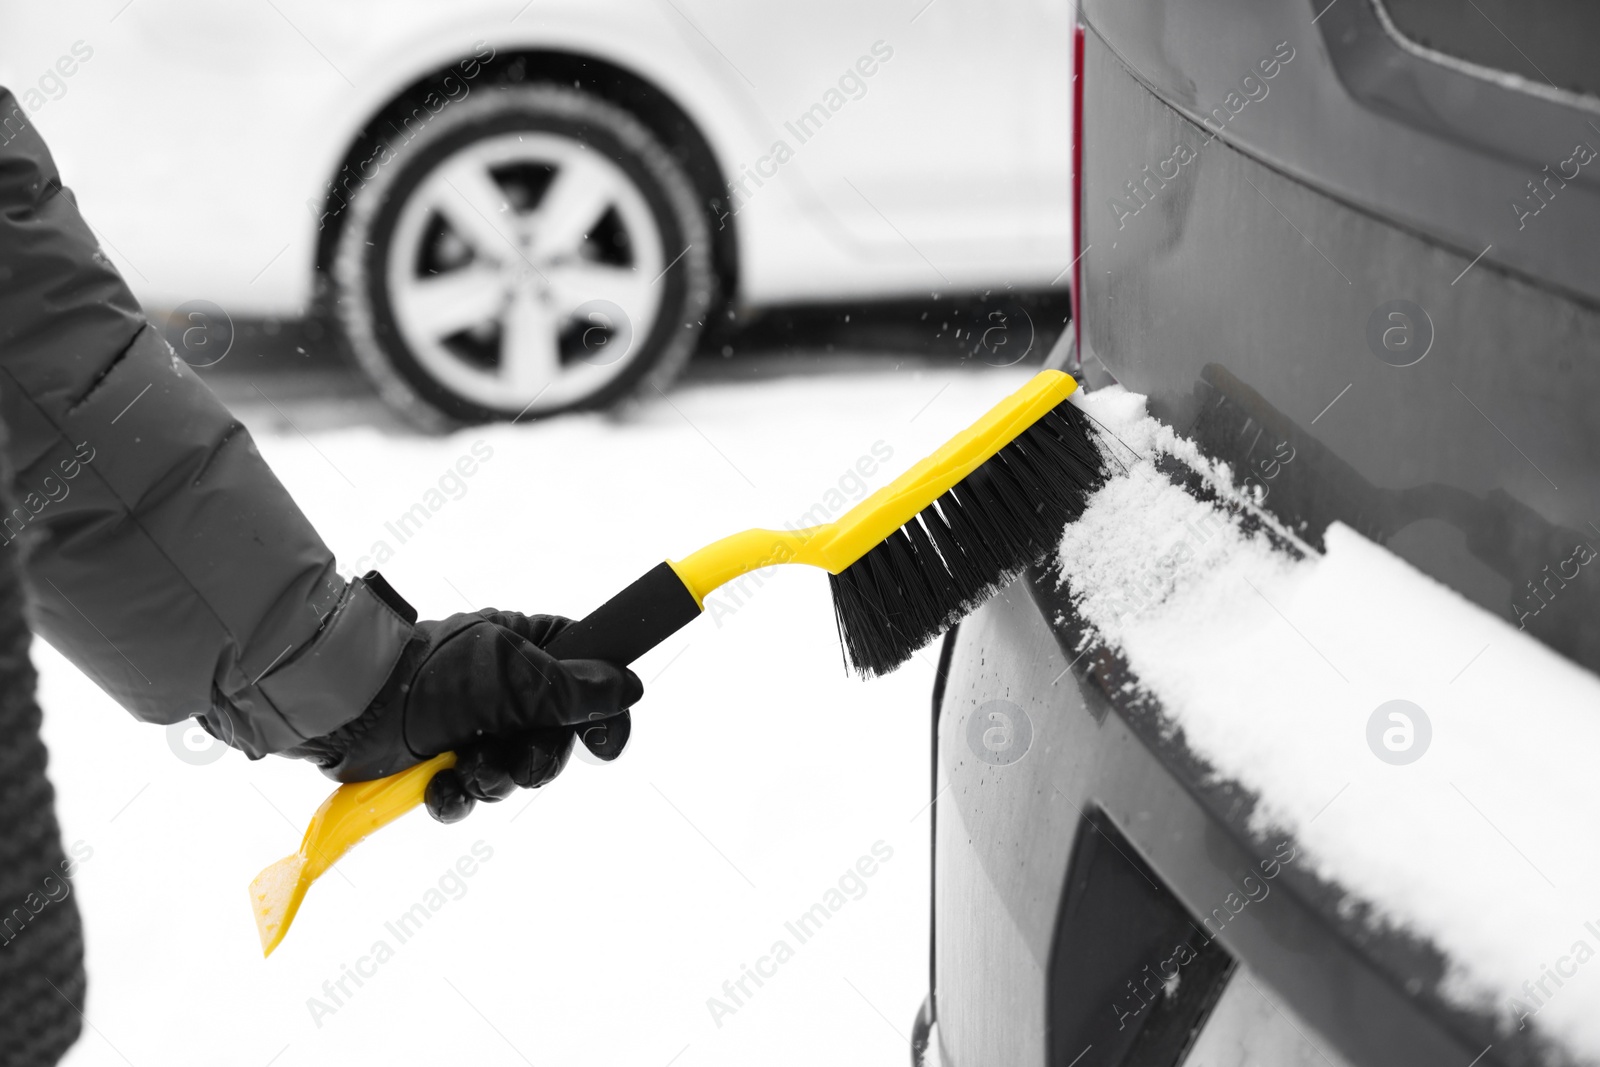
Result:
x=524 y=272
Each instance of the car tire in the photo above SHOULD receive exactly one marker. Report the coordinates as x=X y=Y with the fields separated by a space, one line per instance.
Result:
x=530 y=250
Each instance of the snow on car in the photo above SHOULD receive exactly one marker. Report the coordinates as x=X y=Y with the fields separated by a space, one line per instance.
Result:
x=1271 y=666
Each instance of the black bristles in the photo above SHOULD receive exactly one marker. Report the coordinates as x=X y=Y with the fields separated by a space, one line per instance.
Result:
x=980 y=534
x=942 y=590
x=965 y=573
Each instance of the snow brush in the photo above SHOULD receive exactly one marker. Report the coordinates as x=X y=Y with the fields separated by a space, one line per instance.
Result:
x=904 y=565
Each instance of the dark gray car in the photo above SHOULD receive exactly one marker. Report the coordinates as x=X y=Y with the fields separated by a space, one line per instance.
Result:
x=1364 y=233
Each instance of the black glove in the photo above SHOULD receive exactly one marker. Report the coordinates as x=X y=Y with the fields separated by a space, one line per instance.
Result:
x=482 y=685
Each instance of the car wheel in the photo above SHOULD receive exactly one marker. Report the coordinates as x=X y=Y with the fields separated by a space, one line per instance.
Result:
x=531 y=250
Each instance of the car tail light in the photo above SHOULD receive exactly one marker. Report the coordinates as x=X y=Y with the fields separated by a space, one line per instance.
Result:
x=1077 y=188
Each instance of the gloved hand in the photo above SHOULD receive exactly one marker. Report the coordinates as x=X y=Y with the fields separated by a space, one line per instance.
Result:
x=482 y=685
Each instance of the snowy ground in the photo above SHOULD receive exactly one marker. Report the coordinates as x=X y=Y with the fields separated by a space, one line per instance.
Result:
x=615 y=903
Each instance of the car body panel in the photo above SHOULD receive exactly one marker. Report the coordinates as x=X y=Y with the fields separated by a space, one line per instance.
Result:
x=228 y=121
x=1440 y=146
x=1241 y=290
x=1005 y=833
x=1245 y=285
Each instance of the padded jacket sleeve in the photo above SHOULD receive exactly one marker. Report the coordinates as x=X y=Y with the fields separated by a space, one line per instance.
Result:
x=163 y=556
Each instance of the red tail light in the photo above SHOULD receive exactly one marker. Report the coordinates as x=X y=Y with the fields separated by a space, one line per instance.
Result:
x=1077 y=188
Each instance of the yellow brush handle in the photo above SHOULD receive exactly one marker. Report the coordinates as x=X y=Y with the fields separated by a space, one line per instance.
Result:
x=834 y=546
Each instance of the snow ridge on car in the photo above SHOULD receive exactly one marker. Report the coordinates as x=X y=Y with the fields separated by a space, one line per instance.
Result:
x=1269 y=667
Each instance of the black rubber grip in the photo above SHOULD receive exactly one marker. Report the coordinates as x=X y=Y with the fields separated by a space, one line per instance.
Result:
x=631 y=623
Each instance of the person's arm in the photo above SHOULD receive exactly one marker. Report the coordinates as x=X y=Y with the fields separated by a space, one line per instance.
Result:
x=169 y=564
x=166 y=559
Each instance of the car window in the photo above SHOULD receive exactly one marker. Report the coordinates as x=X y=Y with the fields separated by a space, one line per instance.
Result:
x=1545 y=41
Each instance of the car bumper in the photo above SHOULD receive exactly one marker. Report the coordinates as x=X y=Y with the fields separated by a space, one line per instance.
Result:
x=1078 y=848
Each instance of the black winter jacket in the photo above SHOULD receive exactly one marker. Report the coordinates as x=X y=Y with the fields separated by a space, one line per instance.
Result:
x=163 y=556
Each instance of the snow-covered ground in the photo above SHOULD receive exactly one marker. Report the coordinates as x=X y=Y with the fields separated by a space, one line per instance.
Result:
x=602 y=914
x=1466 y=822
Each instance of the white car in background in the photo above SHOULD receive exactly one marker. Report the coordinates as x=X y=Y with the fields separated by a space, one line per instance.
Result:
x=521 y=207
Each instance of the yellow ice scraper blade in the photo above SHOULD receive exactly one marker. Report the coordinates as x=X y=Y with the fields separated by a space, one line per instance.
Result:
x=350 y=814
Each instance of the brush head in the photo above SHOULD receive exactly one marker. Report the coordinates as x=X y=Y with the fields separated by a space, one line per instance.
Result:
x=978 y=535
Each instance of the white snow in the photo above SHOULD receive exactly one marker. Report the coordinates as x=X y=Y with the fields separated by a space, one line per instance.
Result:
x=1272 y=668
x=615 y=903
